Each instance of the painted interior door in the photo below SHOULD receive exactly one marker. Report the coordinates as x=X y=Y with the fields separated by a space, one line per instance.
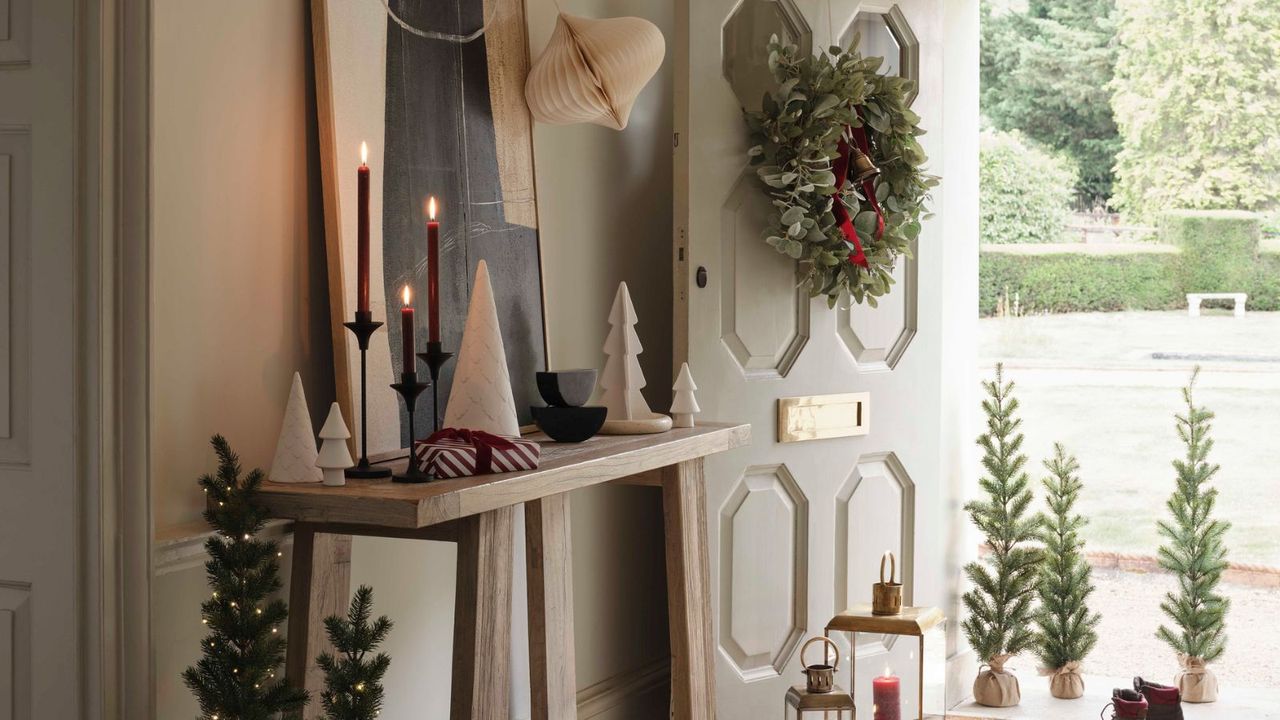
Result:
x=797 y=529
x=41 y=661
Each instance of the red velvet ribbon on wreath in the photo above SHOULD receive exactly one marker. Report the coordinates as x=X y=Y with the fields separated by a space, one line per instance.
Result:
x=843 y=160
x=484 y=443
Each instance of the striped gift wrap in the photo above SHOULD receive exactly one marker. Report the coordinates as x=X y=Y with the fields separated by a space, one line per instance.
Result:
x=449 y=458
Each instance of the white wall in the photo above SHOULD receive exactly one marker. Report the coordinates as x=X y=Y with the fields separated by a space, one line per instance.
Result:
x=240 y=302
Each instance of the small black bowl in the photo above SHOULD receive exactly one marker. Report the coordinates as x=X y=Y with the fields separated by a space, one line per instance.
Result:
x=570 y=424
x=567 y=388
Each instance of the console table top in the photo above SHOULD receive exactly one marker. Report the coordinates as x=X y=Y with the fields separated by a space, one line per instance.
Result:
x=564 y=467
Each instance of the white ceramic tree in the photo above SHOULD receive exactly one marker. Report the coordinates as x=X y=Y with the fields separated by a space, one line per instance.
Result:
x=481 y=397
x=685 y=405
x=622 y=378
x=334 y=457
x=295 y=459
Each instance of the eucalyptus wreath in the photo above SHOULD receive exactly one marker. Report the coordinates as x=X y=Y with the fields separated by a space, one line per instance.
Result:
x=796 y=138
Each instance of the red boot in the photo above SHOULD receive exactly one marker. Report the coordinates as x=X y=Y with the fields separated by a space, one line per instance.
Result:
x=1127 y=705
x=1164 y=702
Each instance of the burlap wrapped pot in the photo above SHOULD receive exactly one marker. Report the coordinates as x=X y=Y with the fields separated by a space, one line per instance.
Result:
x=1196 y=682
x=1066 y=682
x=994 y=687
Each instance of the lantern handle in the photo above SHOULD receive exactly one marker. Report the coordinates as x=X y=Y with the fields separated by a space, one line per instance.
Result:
x=828 y=641
x=893 y=568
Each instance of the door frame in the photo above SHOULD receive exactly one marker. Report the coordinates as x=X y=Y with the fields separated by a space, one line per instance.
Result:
x=111 y=202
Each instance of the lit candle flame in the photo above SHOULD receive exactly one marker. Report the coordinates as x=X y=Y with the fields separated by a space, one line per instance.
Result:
x=406 y=295
x=431 y=207
x=886 y=671
x=364 y=153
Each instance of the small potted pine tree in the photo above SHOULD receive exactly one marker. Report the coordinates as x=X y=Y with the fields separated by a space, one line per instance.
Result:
x=1065 y=627
x=999 y=606
x=236 y=674
x=352 y=679
x=1195 y=551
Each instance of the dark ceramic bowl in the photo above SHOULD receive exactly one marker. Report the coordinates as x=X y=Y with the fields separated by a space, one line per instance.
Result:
x=570 y=424
x=567 y=388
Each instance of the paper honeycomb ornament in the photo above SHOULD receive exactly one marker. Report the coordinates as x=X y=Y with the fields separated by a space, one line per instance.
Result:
x=592 y=70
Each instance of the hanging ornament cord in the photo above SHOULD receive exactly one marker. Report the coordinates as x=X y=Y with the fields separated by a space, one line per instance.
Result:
x=448 y=37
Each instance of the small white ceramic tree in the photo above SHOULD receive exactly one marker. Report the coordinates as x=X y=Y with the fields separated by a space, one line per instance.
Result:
x=685 y=405
x=622 y=378
x=295 y=460
x=481 y=397
x=334 y=457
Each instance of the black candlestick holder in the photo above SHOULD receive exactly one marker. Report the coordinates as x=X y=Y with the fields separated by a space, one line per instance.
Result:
x=435 y=357
x=363 y=328
x=409 y=389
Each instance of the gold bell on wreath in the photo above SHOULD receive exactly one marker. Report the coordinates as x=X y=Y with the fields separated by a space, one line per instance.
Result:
x=819 y=696
x=863 y=169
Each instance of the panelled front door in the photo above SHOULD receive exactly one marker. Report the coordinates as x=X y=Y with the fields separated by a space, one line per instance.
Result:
x=797 y=529
x=40 y=658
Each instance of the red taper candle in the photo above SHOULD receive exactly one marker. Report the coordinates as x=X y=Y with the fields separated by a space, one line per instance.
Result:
x=362 y=230
x=887 y=697
x=406 y=333
x=433 y=271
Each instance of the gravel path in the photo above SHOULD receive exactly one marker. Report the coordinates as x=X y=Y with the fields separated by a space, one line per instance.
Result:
x=1127 y=646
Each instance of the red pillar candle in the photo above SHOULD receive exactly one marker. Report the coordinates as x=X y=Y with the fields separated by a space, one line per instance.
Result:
x=887 y=697
x=362 y=230
x=433 y=271
x=406 y=333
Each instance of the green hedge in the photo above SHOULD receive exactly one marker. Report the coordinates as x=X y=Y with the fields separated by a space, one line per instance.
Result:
x=1219 y=248
x=1060 y=282
x=1074 y=282
x=1215 y=252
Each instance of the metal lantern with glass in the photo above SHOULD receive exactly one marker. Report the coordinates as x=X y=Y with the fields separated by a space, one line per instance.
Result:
x=819 y=697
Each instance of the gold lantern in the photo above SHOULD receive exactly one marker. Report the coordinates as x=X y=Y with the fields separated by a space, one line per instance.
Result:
x=819 y=697
x=909 y=621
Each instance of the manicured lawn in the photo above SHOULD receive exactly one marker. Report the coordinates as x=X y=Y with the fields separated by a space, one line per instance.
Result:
x=1090 y=381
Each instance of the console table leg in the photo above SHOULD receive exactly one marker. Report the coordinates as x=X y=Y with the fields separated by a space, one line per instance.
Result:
x=482 y=617
x=319 y=586
x=549 y=561
x=684 y=506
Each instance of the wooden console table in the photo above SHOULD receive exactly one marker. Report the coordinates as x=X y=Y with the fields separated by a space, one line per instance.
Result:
x=477 y=513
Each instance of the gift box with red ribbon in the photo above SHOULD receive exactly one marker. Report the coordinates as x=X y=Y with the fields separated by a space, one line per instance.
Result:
x=455 y=452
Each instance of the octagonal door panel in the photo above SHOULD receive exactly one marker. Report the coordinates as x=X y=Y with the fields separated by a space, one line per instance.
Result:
x=765 y=316
x=764 y=551
x=752 y=337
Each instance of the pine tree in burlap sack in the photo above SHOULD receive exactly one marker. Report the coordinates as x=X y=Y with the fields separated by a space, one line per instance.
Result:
x=999 y=606
x=1195 y=551
x=1065 y=626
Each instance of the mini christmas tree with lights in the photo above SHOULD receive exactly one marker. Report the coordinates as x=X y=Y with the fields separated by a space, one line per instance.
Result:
x=352 y=681
x=235 y=679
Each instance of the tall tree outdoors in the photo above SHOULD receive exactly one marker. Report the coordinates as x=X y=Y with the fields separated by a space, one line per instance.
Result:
x=1047 y=72
x=1197 y=100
